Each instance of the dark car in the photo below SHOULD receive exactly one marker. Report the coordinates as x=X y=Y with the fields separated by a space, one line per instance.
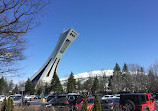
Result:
x=137 y=102
x=66 y=101
x=110 y=104
x=49 y=103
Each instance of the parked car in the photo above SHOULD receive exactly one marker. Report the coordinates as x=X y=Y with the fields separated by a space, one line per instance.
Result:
x=27 y=97
x=66 y=101
x=110 y=104
x=90 y=106
x=16 y=98
x=107 y=96
x=37 y=97
x=49 y=103
x=137 y=101
x=2 y=98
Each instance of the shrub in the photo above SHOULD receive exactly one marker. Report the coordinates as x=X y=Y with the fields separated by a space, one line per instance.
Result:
x=97 y=104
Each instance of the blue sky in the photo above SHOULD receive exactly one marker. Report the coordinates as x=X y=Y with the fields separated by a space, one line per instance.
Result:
x=110 y=31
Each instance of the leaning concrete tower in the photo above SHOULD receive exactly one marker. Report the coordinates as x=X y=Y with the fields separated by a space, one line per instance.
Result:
x=46 y=72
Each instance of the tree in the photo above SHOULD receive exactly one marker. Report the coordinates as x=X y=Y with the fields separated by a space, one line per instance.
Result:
x=117 y=83
x=97 y=104
x=16 y=90
x=47 y=89
x=71 y=84
x=3 y=85
x=125 y=68
x=87 y=85
x=79 y=86
x=7 y=105
x=4 y=105
x=17 y=17
x=95 y=86
x=55 y=85
x=103 y=82
x=39 y=90
x=153 y=82
x=117 y=68
x=29 y=87
x=85 y=103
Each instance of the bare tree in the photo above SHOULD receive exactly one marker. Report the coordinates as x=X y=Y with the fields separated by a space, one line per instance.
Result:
x=17 y=17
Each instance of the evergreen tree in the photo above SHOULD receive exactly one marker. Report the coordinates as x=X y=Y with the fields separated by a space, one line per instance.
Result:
x=3 y=86
x=79 y=87
x=29 y=87
x=7 y=105
x=56 y=86
x=16 y=90
x=125 y=68
x=39 y=91
x=142 y=70
x=85 y=103
x=95 y=86
x=117 y=80
x=47 y=89
x=117 y=68
x=87 y=85
x=97 y=104
x=4 y=105
x=71 y=85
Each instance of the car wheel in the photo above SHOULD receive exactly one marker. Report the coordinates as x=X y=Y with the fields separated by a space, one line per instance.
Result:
x=130 y=105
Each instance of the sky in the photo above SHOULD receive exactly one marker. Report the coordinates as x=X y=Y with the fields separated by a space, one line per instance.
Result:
x=122 y=31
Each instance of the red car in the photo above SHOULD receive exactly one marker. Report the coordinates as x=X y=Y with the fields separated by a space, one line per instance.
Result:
x=137 y=102
x=90 y=106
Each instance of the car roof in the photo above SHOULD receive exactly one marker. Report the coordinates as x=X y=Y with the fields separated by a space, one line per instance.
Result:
x=135 y=93
x=109 y=98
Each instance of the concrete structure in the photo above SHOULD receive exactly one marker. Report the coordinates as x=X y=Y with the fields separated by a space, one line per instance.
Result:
x=46 y=72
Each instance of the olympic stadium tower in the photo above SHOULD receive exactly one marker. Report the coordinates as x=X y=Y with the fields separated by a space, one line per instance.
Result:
x=46 y=72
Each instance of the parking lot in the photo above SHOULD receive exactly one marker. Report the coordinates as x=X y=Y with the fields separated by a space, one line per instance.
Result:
x=63 y=98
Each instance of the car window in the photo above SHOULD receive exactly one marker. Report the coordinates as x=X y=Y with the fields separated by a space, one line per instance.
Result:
x=71 y=97
x=143 y=101
x=150 y=97
x=147 y=98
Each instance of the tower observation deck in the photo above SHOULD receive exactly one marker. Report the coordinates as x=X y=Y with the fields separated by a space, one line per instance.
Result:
x=46 y=72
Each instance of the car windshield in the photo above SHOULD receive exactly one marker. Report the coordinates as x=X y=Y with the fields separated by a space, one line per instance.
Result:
x=52 y=100
x=106 y=101
x=90 y=101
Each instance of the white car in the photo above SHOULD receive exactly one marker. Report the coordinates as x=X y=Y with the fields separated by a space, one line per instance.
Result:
x=2 y=98
x=27 y=97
